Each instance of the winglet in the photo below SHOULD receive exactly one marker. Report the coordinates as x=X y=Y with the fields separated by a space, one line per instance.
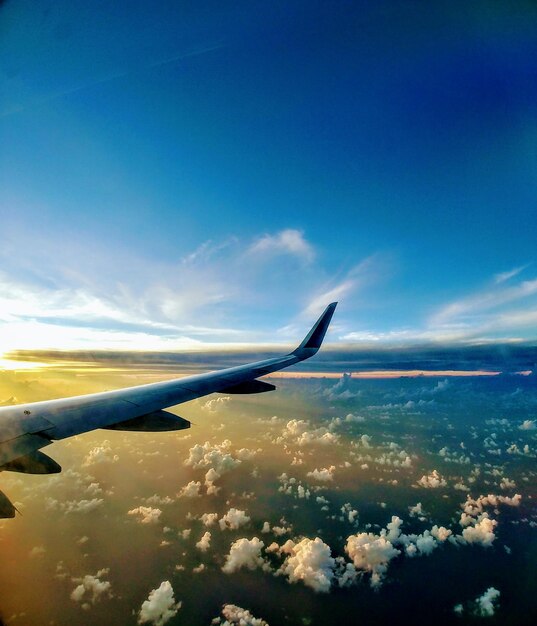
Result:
x=313 y=340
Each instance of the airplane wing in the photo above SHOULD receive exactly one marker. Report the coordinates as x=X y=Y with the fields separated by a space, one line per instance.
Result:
x=26 y=428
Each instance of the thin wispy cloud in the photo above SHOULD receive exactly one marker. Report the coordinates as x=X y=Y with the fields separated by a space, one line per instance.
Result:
x=109 y=77
x=288 y=242
x=505 y=276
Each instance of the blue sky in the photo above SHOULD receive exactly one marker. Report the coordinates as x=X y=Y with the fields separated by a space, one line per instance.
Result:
x=180 y=174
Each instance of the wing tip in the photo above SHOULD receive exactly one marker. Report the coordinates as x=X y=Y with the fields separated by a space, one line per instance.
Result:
x=314 y=339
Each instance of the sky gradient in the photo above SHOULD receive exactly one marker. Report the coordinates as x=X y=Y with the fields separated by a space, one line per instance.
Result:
x=178 y=175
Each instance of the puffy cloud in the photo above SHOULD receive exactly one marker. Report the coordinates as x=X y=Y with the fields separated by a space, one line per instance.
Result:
x=236 y=615
x=354 y=419
x=324 y=475
x=348 y=513
x=432 y=480
x=342 y=391
x=192 y=490
x=91 y=588
x=486 y=604
x=160 y=606
x=482 y=532
x=204 y=543
x=528 y=425
x=75 y=506
x=146 y=514
x=299 y=432
x=417 y=511
x=208 y=519
x=244 y=553
x=371 y=553
x=245 y=454
x=216 y=403
x=475 y=507
x=310 y=561
x=482 y=606
x=100 y=454
x=233 y=519
x=216 y=458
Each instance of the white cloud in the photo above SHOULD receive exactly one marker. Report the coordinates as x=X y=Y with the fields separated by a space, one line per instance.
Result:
x=244 y=553
x=298 y=432
x=215 y=404
x=101 y=454
x=233 y=614
x=487 y=603
x=160 y=606
x=91 y=588
x=326 y=474
x=289 y=242
x=233 y=519
x=146 y=514
x=434 y=480
x=75 y=506
x=482 y=532
x=504 y=276
x=209 y=519
x=311 y=562
x=204 y=543
x=192 y=490
x=528 y=425
x=371 y=553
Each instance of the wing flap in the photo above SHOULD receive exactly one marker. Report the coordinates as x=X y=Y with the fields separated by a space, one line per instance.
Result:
x=158 y=421
x=250 y=386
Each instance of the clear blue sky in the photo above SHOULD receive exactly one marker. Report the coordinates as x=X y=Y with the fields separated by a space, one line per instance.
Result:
x=183 y=172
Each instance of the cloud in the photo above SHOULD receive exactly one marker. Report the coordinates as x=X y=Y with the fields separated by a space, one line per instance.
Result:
x=309 y=561
x=342 y=391
x=434 y=480
x=482 y=532
x=146 y=514
x=209 y=519
x=371 y=553
x=326 y=474
x=233 y=614
x=528 y=425
x=504 y=276
x=233 y=519
x=204 y=543
x=487 y=603
x=75 y=506
x=217 y=458
x=244 y=553
x=482 y=606
x=101 y=454
x=216 y=403
x=192 y=490
x=91 y=589
x=160 y=606
x=298 y=431
x=287 y=242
